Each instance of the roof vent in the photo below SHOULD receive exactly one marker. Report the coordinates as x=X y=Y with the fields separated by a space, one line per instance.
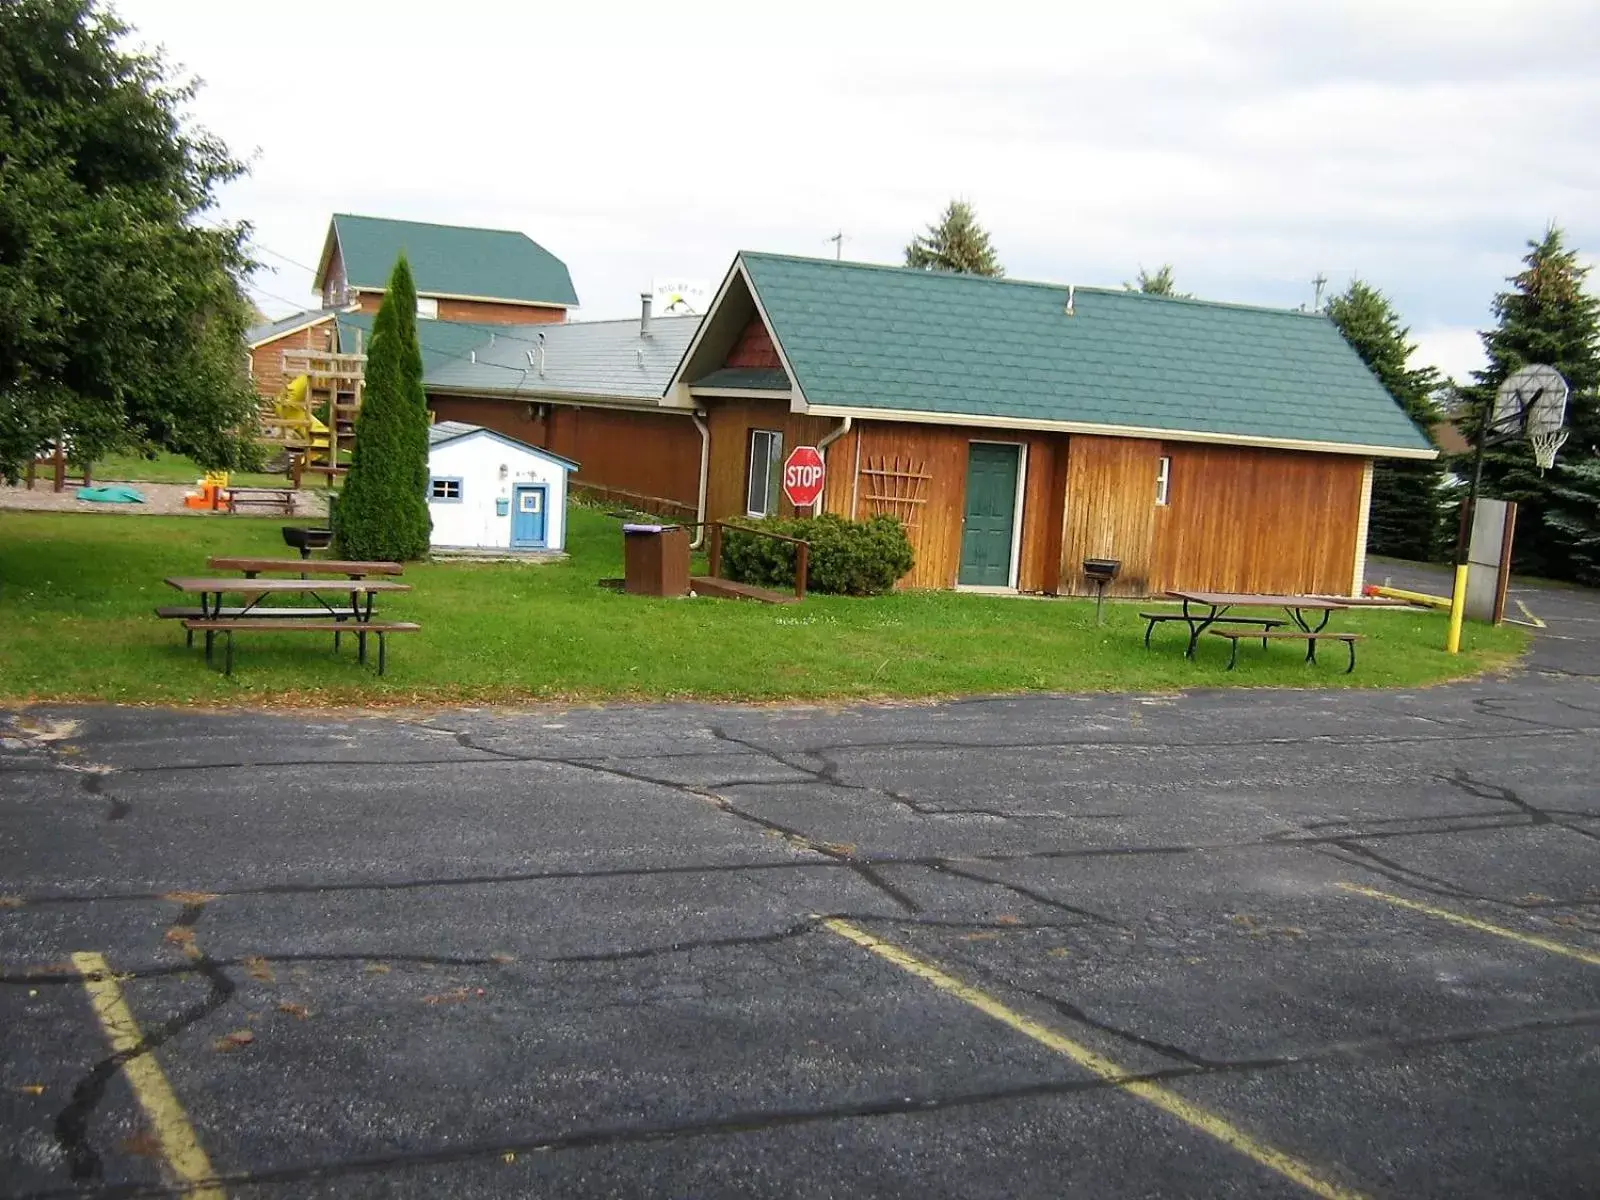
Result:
x=474 y=357
x=644 y=314
x=1072 y=298
x=541 y=356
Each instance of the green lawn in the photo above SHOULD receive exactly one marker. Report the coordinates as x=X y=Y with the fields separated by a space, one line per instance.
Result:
x=77 y=590
x=174 y=468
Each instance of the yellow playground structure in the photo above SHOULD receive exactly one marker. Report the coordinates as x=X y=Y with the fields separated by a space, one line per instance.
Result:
x=313 y=419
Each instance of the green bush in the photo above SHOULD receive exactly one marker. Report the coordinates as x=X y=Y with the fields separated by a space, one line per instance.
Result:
x=848 y=558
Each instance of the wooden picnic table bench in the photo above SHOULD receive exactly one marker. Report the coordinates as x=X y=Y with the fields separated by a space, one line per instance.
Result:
x=1155 y=619
x=276 y=499
x=361 y=629
x=352 y=568
x=1311 y=637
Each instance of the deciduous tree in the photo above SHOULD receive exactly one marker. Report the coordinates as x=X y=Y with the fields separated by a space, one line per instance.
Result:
x=121 y=304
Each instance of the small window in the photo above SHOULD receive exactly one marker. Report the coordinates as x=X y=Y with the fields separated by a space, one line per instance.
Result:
x=443 y=489
x=427 y=308
x=766 y=464
x=1163 y=479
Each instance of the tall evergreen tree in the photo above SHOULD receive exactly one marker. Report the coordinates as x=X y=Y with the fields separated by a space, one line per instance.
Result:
x=383 y=508
x=1405 y=492
x=956 y=243
x=1548 y=317
x=1159 y=284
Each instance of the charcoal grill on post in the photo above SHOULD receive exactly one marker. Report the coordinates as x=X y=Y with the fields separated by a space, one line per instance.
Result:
x=306 y=540
x=1101 y=571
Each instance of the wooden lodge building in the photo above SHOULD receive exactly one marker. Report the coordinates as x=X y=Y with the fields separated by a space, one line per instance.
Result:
x=1020 y=428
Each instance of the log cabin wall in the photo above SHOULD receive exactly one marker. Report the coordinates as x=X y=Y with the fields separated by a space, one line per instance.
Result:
x=1247 y=520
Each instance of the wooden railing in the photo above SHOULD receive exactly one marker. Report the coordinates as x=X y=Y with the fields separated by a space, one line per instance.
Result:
x=802 y=552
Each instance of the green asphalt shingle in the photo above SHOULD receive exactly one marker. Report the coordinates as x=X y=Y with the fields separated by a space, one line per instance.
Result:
x=453 y=260
x=863 y=336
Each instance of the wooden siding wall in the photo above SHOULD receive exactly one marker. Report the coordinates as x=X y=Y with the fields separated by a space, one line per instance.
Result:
x=1237 y=519
x=1109 y=512
x=754 y=347
x=644 y=455
x=731 y=422
x=483 y=312
x=266 y=361
x=1248 y=520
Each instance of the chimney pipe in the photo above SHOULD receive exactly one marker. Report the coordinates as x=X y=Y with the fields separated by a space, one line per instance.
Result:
x=644 y=314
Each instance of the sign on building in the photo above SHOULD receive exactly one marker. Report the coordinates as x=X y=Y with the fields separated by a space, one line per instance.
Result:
x=803 y=476
x=680 y=297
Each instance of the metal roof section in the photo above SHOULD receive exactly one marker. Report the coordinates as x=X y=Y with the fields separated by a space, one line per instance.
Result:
x=455 y=261
x=874 y=339
x=271 y=331
x=442 y=433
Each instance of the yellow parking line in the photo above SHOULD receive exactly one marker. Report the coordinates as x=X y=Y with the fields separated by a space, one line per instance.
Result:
x=1168 y=1101
x=179 y=1144
x=1455 y=918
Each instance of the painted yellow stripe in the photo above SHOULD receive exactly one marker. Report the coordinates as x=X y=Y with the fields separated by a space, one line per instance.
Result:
x=1207 y=1122
x=179 y=1144
x=1455 y=918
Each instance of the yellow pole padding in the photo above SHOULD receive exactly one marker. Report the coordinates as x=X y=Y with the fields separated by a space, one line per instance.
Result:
x=1392 y=593
x=1458 y=608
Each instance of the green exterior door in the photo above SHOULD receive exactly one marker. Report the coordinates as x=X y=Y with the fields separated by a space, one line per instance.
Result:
x=991 y=514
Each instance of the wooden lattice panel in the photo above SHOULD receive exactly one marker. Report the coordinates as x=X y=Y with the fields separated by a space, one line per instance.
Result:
x=895 y=487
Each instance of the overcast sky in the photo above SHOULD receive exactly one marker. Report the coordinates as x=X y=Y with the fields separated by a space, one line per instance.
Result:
x=1251 y=145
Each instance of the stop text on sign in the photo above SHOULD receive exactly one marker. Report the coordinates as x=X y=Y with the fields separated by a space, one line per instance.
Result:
x=803 y=474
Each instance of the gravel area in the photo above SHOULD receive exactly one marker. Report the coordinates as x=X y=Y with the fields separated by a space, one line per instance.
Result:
x=161 y=499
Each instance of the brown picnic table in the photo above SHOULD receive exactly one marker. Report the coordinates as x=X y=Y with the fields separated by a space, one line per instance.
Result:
x=1202 y=610
x=335 y=617
x=351 y=568
x=275 y=499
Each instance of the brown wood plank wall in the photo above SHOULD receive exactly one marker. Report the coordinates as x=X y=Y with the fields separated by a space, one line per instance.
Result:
x=1109 y=512
x=731 y=422
x=1253 y=520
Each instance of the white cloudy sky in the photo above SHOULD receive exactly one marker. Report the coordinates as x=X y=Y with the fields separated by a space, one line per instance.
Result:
x=1252 y=145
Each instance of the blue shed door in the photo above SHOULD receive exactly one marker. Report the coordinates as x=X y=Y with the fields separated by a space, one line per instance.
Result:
x=527 y=515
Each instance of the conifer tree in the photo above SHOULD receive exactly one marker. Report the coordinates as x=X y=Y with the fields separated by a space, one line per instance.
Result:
x=383 y=509
x=1405 y=492
x=955 y=243
x=1158 y=284
x=1548 y=317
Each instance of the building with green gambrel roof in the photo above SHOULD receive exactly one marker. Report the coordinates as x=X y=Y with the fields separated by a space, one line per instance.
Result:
x=1020 y=428
x=497 y=276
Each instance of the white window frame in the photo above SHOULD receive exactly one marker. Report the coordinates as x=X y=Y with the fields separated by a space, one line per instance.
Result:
x=1164 y=481
x=439 y=489
x=427 y=308
x=772 y=440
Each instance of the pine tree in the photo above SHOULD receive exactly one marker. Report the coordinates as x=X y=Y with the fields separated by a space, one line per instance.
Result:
x=1405 y=492
x=1547 y=317
x=1159 y=284
x=956 y=243
x=383 y=509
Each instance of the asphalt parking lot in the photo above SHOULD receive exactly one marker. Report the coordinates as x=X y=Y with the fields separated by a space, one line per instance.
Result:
x=1219 y=944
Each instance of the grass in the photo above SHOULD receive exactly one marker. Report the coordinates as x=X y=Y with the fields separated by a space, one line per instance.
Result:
x=77 y=590
x=175 y=468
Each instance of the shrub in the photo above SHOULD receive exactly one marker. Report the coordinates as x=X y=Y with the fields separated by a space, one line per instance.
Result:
x=848 y=558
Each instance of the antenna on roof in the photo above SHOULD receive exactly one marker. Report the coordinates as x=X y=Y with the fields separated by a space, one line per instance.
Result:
x=1318 y=281
x=838 y=241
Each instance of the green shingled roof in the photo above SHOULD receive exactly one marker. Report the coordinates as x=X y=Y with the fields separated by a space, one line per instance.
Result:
x=871 y=337
x=451 y=260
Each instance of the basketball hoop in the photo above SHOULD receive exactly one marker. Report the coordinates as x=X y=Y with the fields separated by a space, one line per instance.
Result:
x=1531 y=403
x=1545 y=446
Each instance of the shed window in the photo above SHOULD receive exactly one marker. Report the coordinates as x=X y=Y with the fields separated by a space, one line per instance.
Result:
x=1163 y=479
x=766 y=463
x=427 y=308
x=442 y=488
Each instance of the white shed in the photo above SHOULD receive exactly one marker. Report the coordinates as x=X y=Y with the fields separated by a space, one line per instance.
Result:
x=487 y=491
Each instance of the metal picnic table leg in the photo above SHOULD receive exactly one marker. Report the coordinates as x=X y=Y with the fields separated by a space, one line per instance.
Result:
x=383 y=656
x=1305 y=627
x=1199 y=624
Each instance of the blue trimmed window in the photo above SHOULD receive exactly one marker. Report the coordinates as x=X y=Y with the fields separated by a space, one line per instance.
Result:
x=444 y=489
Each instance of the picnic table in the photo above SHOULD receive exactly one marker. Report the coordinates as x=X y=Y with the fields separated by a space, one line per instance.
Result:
x=276 y=499
x=352 y=568
x=1202 y=610
x=330 y=616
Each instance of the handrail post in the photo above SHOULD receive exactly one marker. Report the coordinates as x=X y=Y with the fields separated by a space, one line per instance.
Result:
x=802 y=563
x=714 y=551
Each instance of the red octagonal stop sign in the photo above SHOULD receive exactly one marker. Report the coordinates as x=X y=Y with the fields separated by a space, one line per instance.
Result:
x=802 y=476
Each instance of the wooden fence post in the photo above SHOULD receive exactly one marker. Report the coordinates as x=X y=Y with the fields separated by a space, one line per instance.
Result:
x=714 y=551
x=802 y=565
